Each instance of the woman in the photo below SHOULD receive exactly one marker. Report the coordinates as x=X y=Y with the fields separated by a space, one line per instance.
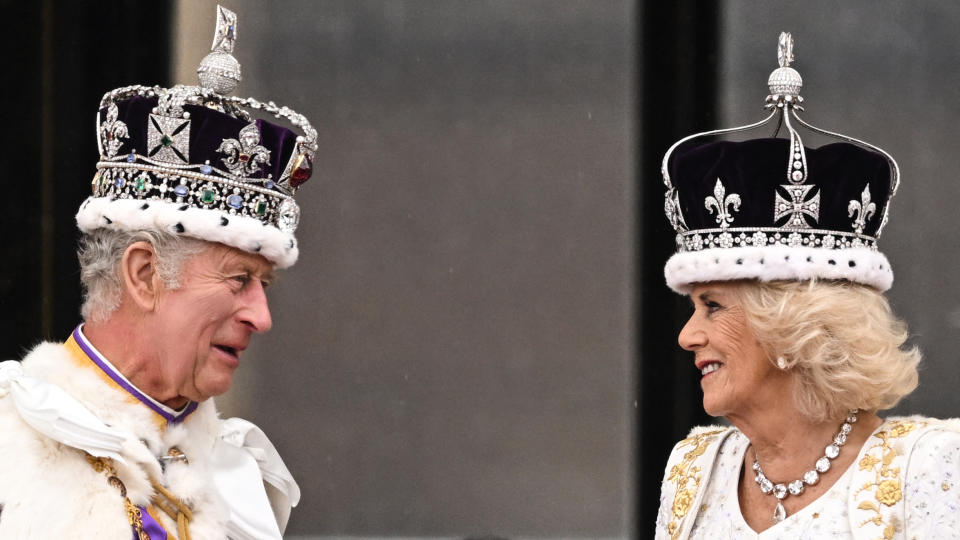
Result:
x=798 y=349
x=788 y=393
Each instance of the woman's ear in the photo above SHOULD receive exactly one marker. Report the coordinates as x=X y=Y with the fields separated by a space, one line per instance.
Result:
x=138 y=271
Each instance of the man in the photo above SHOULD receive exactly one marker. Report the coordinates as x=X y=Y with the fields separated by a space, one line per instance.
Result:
x=115 y=430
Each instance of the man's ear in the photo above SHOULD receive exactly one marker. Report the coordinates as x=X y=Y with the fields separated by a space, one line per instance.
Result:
x=138 y=270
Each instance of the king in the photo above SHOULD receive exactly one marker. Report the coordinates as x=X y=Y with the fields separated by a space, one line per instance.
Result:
x=114 y=431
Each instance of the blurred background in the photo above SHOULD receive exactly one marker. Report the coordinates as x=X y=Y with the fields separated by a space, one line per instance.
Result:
x=477 y=340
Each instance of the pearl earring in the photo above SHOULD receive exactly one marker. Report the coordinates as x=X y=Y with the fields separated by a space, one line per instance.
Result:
x=781 y=362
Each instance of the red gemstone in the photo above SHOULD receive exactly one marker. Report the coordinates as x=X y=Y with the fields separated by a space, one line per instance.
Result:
x=302 y=169
x=244 y=157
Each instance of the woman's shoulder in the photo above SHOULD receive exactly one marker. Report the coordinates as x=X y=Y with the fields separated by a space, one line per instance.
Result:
x=906 y=478
x=914 y=443
x=706 y=434
x=927 y=442
x=918 y=429
x=687 y=473
x=701 y=441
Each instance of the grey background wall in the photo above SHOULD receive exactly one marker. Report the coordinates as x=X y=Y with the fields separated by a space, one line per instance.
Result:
x=453 y=353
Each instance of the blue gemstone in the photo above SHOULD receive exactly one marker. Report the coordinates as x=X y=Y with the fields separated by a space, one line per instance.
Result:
x=235 y=201
x=180 y=191
x=269 y=184
x=131 y=157
x=119 y=182
x=206 y=169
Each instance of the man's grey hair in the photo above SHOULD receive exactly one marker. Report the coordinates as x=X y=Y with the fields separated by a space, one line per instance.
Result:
x=101 y=252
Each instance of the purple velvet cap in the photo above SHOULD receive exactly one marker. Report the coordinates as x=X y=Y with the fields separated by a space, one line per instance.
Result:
x=755 y=170
x=208 y=129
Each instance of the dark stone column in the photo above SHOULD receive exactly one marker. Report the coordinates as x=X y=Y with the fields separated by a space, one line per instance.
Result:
x=61 y=59
x=677 y=80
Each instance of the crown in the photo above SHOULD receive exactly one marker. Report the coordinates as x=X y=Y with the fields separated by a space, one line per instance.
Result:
x=772 y=208
x=193 y=161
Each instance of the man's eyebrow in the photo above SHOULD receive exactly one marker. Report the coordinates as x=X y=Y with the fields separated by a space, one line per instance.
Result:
x=255 y=271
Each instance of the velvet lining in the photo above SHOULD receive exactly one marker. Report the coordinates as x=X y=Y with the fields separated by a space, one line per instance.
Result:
x=755 y=170
x=208 y=129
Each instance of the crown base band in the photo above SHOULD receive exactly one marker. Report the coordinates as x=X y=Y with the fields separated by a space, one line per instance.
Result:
x=241 y=232
x=860 y=265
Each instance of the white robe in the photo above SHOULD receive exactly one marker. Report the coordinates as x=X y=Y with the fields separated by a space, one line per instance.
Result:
x=49 y=489
x=904 y=484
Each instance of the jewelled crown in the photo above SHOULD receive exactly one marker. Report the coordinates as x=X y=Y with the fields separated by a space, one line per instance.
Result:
x=191 y=160
x=773 y=209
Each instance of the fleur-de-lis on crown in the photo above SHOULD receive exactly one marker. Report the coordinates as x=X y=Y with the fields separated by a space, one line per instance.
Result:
x=244 y=154
x=721 y=201
x=112 y=131
x=863 y=209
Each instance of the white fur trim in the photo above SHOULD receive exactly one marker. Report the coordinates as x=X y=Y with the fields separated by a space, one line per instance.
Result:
x=860 y=265
x=49 y=490
x=240 y=232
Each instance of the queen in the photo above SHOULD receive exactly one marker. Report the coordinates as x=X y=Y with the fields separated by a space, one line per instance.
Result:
x=796 y=344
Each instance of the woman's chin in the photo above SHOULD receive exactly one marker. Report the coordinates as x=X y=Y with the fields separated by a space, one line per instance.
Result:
x=714 y=407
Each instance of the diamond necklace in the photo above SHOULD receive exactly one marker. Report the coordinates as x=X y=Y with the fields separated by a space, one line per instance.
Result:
x=811 y=477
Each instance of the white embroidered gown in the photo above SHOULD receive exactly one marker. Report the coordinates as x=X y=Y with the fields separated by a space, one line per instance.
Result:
x=930 y=495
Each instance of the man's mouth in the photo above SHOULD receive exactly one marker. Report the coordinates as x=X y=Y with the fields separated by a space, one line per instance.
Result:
x=229 y=350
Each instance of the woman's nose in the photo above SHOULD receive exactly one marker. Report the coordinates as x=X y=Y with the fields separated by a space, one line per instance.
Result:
x=692 y=336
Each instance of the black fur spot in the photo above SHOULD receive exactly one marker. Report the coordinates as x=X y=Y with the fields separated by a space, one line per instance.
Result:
x=184 y=207
x=224 y=221
x=761 y=261
x=178 y=228
x=257 y=248
x=145 y=206
x=108 y=220
x=739 y=261
x=809 y=259
x=852 y=264
x=832 y=262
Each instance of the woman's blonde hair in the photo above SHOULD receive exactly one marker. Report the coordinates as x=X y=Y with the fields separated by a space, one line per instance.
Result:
x=842 y=340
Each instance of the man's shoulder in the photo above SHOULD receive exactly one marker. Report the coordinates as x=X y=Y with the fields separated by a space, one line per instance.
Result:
x=35 y=363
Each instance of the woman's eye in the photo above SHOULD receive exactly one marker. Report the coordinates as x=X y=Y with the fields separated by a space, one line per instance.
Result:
x=712 y=306
x=241 y=279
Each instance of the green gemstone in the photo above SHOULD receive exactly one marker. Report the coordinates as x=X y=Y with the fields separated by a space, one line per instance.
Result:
x=261 y=208
x=207 y=196
x=166 y=140
x=141 y=184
